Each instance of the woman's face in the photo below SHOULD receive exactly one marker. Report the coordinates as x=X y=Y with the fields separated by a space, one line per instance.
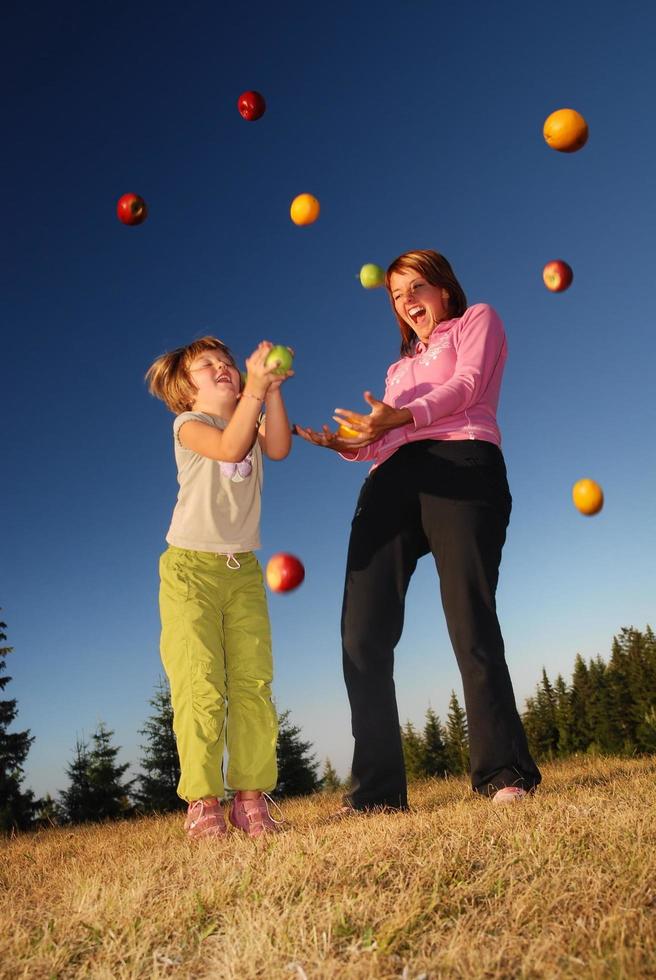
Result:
x=419 y=304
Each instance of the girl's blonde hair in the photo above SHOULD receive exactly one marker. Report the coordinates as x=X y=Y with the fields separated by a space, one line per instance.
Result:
x=437 y=271
x=168 y=376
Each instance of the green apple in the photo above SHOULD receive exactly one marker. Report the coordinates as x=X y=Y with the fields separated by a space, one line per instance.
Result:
x=283 y=356
x=371 y=275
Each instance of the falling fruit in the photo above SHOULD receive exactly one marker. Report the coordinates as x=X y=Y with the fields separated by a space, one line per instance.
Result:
x=251 y=105
x=588 y=497
x=565 y=130
x=284 y=572
x=304 y=209
x=371 y=276
x=283 y=356
x=558 y=276
x=131 y=209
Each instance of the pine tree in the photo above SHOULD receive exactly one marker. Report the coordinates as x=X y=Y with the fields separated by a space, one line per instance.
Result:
x=413 y=752
x=456 y=740
x=158 y=782
x=579 y=699
x=297 y=768
x=603 y=733
x=96 y=789
x=563 y=717
x=17 y=805
x=48 y=812
x=436 y=762
x=77 y=800
x=110 y=793
x=330 y=782
x=632 y=676
x=540 y=721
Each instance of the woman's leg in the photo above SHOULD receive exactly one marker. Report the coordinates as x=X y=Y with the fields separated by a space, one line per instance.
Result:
x=465 y=505
x=385 y=543
x=192 y=654
x=252 y=727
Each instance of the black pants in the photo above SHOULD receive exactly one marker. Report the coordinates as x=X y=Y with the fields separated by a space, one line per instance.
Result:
x=449 y=498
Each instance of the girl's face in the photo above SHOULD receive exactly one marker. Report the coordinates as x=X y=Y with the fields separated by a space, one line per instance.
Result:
x=216 y=377
x=419 y=304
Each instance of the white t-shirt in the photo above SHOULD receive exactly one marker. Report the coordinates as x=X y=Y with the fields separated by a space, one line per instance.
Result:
x=218 y=506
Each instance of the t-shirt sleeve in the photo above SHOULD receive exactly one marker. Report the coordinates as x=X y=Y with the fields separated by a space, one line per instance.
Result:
x=180 y=420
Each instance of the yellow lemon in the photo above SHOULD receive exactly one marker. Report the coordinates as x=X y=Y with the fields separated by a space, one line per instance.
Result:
x=565 y=130
x=588 y=497
x=305 y=209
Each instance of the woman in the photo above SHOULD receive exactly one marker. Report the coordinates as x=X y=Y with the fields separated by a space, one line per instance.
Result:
x=438 y=484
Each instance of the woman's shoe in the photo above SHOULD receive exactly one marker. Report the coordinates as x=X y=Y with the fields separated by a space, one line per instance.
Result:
x=205 y=819
x=253 y=817
x=509 y=794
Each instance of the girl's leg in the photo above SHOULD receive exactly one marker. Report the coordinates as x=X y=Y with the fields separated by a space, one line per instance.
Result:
x=465 y=506
x=386 y=542
x=192 y=650
x=252 y=724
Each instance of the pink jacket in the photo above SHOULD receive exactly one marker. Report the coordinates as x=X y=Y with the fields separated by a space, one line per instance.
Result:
x=451 y=386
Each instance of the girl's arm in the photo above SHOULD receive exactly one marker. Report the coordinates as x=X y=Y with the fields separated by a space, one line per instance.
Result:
x=275 y=435
x=231 y=444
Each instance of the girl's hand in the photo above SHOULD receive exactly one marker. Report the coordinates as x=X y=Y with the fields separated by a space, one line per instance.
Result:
x=381 y=419
x=259 y=377
x=330 y=440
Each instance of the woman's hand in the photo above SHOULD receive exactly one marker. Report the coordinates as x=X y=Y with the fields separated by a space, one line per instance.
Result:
x=381 y=419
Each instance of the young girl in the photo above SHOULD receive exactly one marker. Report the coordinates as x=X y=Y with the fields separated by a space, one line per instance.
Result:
x=216 y=637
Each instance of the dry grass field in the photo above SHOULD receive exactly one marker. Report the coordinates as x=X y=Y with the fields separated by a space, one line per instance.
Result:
x=562 y=885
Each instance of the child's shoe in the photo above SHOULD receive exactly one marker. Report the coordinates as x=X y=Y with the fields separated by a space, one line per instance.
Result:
x=253 y=817
x=205 y=819
x=509 y=794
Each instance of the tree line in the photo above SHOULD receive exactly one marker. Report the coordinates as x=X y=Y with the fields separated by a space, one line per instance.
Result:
x=606 y=708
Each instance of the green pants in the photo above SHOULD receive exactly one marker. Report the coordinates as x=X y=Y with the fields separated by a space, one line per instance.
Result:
x=216 y=651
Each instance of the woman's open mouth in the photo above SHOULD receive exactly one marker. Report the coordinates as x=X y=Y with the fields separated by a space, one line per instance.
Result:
x=416 y=312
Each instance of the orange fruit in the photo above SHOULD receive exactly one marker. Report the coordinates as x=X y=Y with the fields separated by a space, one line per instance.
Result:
x=304 y=209
x=565 y=130
x=588 y=497
x=346 y=432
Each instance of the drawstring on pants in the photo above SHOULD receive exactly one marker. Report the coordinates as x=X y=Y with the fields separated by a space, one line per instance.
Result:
x=232 y=558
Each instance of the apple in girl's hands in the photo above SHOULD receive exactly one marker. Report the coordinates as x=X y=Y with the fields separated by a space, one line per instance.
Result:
x=281 y=358
x=284 y=572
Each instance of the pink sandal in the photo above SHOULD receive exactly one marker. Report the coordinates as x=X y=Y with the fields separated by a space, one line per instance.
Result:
x=205 y=819
x=253 y=817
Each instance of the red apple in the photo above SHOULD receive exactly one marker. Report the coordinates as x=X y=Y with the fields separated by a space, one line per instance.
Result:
x=251 y=105
x=557 y=276
x=284 y=572
x=131 y=209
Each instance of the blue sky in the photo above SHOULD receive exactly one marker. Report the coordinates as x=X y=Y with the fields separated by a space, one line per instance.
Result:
x=417 y=125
